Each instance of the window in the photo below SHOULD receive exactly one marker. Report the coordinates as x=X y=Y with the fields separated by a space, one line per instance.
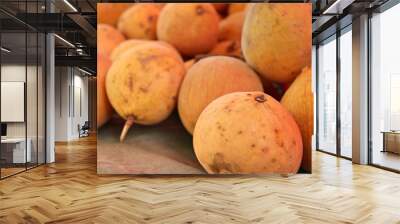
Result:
x=327 y=96
x=385 y=89
x=346 y=95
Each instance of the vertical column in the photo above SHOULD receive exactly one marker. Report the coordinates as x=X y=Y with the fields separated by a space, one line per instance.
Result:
x=314 y=87
x=338 y=99
x=50 y=92
x=360 y=89
x=50 y=98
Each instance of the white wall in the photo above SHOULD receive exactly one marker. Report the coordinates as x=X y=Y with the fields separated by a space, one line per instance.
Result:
x=71 y=93
x=61 y=103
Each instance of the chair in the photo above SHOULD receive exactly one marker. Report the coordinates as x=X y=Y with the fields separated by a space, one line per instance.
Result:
x=84 y=130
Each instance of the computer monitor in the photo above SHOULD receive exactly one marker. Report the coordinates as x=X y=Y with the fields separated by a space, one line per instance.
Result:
x=3 y=129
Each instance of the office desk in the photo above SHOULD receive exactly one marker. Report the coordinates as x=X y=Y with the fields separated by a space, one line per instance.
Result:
x=13 y=150
x=391 y=141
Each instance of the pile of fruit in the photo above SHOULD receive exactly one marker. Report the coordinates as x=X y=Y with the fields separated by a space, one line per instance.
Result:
x=239 y=75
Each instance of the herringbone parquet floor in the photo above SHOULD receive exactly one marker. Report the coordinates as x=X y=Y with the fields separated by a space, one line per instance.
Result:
x=69 y=191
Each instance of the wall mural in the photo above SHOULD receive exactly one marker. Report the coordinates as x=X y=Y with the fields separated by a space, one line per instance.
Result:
x=201 y=88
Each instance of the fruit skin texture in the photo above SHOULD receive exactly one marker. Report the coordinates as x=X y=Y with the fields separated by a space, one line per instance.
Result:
x=227 y=48
x=192 y=28
x=220 y=7
x=247 y=132
x=299 y=100
x=237 y=7
x=107 y=39
x=142 y=85
x=125 y=46
x=209 y=79
x=140 y=21
x=108 y=13
x=189 y=63
x=104 y=109
x=128 y=44
x=285 y=27
x=231 y=27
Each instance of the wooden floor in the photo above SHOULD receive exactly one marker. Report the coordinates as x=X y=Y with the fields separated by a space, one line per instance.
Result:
x=387 y=159
x=70 y=191
x=5 y=172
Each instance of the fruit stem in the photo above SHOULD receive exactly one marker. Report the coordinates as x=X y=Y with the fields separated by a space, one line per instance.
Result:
x=127 y=126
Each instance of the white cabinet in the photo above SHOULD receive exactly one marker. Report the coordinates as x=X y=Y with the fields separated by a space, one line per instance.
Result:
x=18 y=149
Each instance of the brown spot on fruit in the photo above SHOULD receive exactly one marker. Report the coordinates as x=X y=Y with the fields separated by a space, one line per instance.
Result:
x=125 y=99
x=231 y=47
x=144 y=89
x=240 y=132
x=265 y=149
x=200 y=10
x=219 y=165
x=130 y=83
x=273 y=160
x=150 y=18
x=253 y=145
x=147 y=59
x=147 y=31
x=260 y=98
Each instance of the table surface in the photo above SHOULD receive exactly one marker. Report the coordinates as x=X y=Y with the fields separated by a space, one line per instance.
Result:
x=165 y=148
x=13 y=140
x=391 y=132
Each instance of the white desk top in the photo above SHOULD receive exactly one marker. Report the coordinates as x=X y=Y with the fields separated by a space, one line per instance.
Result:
x=13 y=140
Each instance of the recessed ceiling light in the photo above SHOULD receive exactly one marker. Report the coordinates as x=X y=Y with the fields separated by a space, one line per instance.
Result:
x=64 y=40
x=5 y=50
x=337 y=7
x=84 y=71
x=70 y=5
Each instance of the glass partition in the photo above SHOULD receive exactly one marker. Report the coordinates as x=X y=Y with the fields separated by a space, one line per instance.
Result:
x=32 y=95
x=346 y=93
x=14 y=153
x=22 y=88
x=327 y=95
x=385 y=89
